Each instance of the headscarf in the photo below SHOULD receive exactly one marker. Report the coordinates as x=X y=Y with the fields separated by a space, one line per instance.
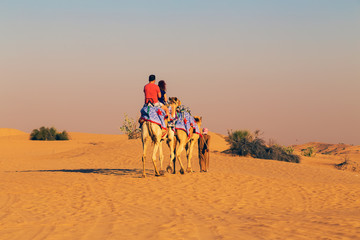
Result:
x=205 y=131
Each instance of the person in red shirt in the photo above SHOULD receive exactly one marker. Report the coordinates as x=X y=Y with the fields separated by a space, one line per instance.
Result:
x=153 y=93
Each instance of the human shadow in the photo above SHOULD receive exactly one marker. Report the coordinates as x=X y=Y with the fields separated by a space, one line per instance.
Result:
x=136 y=173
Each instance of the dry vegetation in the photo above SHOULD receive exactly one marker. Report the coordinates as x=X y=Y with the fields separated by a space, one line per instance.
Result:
x=245 y=143
x=130 y=127
x=349 y=165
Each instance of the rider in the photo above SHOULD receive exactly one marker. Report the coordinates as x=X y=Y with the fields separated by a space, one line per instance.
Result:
x=153 y=93
x=164 y=100
x=162 y=86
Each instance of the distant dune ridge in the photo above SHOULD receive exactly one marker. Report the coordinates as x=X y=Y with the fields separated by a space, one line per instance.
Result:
x=331 y=149
x=90 y=187
x=348 y=154
x=10 y=132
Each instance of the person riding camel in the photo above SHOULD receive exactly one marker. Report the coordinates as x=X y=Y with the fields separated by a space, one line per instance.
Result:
x=152 y=94
x=162 y=85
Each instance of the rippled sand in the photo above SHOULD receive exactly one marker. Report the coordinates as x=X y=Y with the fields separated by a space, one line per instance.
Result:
x=91 y=188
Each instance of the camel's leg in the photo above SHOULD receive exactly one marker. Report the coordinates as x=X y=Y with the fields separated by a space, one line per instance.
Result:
x=179 y=150
x=161 y=158
x=187 y=148
x=172 y=154
x=143 y=161
x=174 y=164
x=189 y=155
x=144 y=142
x=156 y=147
x=171 y=143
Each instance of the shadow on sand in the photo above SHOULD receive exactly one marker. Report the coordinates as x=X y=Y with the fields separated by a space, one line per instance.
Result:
x=136 y=173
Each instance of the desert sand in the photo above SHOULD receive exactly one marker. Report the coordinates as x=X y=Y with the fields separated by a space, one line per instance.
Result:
x=91 y=188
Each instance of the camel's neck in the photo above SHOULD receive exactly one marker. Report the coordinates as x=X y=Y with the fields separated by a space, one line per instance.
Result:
x=173 y=110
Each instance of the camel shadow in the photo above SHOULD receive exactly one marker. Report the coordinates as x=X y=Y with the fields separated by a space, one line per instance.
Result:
x=136 y=173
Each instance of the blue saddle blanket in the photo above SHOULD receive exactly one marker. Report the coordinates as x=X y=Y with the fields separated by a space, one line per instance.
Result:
x=185 y=121
x=153 y=114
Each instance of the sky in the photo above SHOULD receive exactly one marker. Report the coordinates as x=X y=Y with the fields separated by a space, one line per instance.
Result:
x=290 y=68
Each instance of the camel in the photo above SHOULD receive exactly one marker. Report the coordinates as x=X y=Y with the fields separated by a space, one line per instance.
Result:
x=187 y=142
x=154 y=132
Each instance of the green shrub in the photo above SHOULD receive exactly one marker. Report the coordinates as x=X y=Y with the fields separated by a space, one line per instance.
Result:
x=240 y=142
x=309 y=152
x=130 y=127
x=244 y=143
x=48 y=134
x=289 y=150
x=280 y=153
x=62 y=136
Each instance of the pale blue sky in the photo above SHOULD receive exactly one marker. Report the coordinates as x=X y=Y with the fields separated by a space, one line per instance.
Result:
x=289 y=68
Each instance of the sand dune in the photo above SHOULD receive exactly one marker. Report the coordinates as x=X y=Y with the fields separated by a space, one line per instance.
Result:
x=4 y=132
x=348 y=156
x=331 y=149
x=91 y=188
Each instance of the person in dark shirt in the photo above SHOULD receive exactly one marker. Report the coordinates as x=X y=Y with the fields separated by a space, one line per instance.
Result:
x=164 y=100
x=162 y=86
x=204 y=150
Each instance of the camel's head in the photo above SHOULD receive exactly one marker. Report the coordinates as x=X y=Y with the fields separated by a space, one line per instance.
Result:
x=198 y=120
x=175 y=101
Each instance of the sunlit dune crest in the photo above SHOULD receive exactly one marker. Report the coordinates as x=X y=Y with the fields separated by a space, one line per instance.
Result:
x=342 y=151
x=10 y=132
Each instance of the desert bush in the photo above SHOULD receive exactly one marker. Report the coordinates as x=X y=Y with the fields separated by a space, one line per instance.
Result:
x=309 y=152
x=48 y=134
x=289 y=150
x=240 y=141
x=271 y=142
x=241 y=134
x=244 y=143
x=130 y=127
x=62 y=136
x=280 y=153
x=348 y=165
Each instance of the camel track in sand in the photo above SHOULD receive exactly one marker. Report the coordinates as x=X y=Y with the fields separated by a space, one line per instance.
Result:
x=95 y=208
x=103 y=220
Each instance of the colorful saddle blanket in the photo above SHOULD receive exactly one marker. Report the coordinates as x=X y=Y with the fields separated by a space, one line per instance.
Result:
x=185 y=121
x=154 y=115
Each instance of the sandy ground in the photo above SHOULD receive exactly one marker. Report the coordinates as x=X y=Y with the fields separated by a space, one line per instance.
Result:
x=91 y=188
